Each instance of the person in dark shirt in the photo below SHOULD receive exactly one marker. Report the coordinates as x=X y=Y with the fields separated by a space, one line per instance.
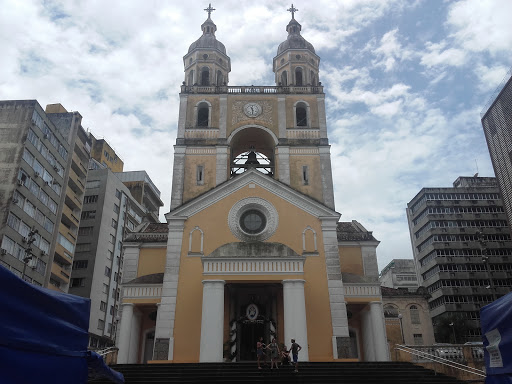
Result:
x=260 y=351
x=295 y=348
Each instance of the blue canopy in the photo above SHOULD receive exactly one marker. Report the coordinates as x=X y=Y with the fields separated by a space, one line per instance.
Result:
x=43 y=335
x=496 y=322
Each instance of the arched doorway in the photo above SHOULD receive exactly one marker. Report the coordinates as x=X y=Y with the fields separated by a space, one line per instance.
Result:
x=252 y=147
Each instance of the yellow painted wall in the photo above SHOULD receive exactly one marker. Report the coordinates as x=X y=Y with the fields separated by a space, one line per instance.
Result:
x=216 y=233
x=314 y=187
x=151 y=260
x=191 y=189
x=351 y=260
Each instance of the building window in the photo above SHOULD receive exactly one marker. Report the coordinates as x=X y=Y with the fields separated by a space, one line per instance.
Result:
x=90 y=199
x=78 y=282
x=105 y=288
x=110 y=254
x=390 y=311
x=284 y=79
x=88 y=215
x=103 y=306
x=80 y=264
x=13 y=221
x=118 y=193
x=418 y=339
x=415 y=315
x=205 y=76
x=200 y=175
x=116 y=208
x=305 y=175
x=114 y=223
x=301 y=115
x=112 y=239
x=109 y=328
x=101 y=324
x=108 y=271
x=298 y=77
x=85 y=231
x=203 y=113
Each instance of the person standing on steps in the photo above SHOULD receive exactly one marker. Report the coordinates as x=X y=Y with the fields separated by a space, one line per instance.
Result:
x=274 y=353
x=295 y=348
x=260 y=351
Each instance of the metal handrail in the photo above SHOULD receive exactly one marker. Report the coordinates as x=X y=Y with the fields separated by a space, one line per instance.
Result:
x=441 y=360
x=106 y=351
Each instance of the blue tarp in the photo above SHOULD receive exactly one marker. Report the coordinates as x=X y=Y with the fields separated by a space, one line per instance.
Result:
x=43 y=334
x=496 y=322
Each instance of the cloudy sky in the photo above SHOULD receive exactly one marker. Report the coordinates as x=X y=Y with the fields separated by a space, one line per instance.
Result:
x=405 y=83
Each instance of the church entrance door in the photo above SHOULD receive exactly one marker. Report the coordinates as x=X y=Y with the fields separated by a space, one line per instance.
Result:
x=255 y=311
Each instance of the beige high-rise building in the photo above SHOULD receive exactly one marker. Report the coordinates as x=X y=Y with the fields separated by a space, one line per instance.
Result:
x=43 y=158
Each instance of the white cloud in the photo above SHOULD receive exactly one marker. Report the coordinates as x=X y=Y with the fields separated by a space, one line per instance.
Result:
x=440 y=54
x=482 y=25
x=121 y=67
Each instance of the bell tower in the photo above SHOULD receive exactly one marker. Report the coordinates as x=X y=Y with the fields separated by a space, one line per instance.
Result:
x=279 y=130
x=296 y=63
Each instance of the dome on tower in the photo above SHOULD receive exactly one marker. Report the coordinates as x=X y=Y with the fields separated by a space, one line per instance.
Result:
x=208 y=39
x=294 y=39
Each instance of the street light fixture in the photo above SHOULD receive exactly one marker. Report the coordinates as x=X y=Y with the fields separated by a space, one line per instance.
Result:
x=454 y=335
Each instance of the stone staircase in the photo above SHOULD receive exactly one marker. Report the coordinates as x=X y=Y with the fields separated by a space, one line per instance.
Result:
x=247 y=373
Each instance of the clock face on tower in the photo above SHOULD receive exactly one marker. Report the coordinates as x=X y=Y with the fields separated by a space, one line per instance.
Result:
x=252 y=109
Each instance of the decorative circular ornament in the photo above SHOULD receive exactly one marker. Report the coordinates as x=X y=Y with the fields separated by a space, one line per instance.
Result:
x=252 y=109
x=252 y=312
x=253 y=219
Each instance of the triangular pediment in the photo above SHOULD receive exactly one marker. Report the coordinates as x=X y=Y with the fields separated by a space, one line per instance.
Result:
x=254 y=177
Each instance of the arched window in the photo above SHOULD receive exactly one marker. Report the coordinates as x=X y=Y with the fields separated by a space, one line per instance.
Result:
x=390 y=311
x=220 y=78
x=203 y=112
x=415 y=314
x=301 y=115
x=191 y=77
x=313 y=78
x=205 y=76
x=298 y=77
x=284 y=78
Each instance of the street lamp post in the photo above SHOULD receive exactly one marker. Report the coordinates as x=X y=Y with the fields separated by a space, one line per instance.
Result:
x=401 y=327
x=454 y=335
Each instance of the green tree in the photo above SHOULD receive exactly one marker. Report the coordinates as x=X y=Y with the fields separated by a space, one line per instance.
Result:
x=451 y=327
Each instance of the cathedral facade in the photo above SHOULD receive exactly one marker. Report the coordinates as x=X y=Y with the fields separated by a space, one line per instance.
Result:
x=253 y=245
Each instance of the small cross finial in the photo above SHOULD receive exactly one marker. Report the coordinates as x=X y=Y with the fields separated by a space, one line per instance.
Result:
x=209 y=9
x=292 y=9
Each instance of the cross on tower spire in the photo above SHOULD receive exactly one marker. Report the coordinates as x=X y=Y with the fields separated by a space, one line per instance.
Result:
x=292 y=9
x=210 y=9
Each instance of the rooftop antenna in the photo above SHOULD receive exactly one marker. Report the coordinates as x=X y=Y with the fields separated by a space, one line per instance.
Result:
x=476 y=163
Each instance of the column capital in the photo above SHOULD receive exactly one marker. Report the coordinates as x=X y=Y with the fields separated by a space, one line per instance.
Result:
x=127 y=304
x=294 y=281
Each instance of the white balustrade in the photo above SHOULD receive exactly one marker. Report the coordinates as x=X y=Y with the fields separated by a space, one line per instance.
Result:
x=252 y=267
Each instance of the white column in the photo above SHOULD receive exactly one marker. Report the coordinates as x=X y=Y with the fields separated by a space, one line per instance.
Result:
x=295 y=326
x=379 y=331
x=212 y=322
x=125 y=333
